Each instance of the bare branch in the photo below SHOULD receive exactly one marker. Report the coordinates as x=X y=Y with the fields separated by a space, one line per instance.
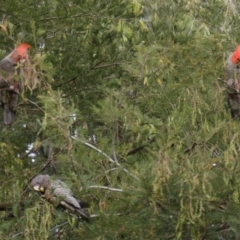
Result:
x=107 y=188
x=105 y=155
x=126 y=171
x=60 y=225
x=15 y=235
x=99 y=150
x=112 y=169
x=35 y=104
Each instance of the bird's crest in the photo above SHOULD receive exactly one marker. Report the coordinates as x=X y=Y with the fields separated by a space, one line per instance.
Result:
x=22 y=49
x=236 y=56
x=19 y=53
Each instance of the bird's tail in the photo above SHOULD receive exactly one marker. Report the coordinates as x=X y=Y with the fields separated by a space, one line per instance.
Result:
x=83 y=213
x=8 y=115
x=9 y=101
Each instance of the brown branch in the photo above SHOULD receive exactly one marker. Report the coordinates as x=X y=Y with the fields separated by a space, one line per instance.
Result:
x=134 y=150
x=108 y=65
x=151 y=140
x=6 y=206
x=9 y=206
x=70 y=80
x=73 y=16
x=101 y=61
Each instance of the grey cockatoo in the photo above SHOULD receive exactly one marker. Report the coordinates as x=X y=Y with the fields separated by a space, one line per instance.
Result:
x=57 y=192
x=233 y=81
x=10 y=88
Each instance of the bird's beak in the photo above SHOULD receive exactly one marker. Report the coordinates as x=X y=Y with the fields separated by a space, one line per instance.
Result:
x=22 y=60
x=38 y=188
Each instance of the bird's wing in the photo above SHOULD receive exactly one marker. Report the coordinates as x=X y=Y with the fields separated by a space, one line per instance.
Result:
x=61 y=190
x=67 y=200
x=83 y=204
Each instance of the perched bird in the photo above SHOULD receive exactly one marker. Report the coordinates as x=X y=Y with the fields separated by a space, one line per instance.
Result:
x=233 y=81
x=9 y=87
x=59 y=194
x=233 y=70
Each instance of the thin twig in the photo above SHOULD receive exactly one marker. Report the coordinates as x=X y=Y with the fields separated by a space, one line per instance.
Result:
x=68 y=81
x=112 y=169
x=17 y=234
x=97 y=64
x=65 y=17
x=60 y=225
x=100 y=151
x=114 y=153
x=108 y=65
x=107 y=188
x=35 y=104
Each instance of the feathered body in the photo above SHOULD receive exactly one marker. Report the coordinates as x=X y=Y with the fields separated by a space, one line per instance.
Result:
x=9 y=87
x=56 y=191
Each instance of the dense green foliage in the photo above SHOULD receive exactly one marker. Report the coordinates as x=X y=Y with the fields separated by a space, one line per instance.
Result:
x=145 y=78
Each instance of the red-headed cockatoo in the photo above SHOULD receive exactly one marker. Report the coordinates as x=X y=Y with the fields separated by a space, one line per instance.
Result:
x=233 y=69
x=233 y=81
x=58 y=193
x=9 y=87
